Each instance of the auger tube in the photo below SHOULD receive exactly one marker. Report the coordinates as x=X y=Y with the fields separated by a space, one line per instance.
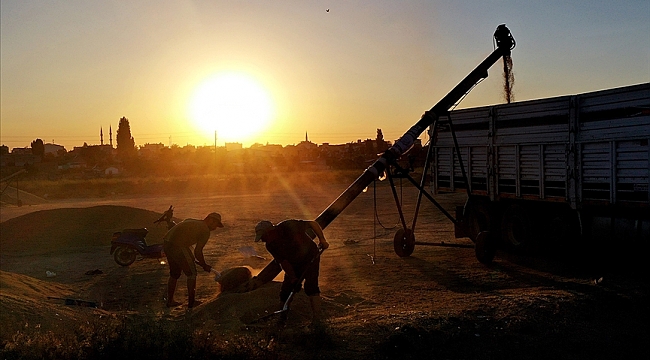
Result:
x=504 y=42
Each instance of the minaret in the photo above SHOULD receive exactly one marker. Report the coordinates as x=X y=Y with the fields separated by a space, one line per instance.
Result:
x=101 y=136
x=306 y=138
x=110 y=134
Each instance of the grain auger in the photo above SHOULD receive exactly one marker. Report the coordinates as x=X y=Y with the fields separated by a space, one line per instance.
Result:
x=404 y=239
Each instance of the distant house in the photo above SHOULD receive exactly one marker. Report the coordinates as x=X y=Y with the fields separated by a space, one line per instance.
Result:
x=233 y=146
x=111 y=171
x=54 y=149
x=22 y=151
x=151 y=150
x=73 y=165
x=271 y=149
x=22 y=159
x=106 y=149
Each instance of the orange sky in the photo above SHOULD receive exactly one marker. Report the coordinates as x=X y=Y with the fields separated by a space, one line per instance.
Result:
x=70 y=68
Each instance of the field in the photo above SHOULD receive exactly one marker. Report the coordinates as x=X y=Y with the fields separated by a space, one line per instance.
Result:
x=438 y=303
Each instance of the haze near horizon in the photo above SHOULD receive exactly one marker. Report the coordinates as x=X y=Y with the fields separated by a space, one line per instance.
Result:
x=69 y=69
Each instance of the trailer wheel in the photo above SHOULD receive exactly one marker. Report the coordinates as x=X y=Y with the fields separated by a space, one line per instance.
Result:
x=485 y=247
x=478 y=218
x=404 y=242
x=516 y=229
x=564 y=234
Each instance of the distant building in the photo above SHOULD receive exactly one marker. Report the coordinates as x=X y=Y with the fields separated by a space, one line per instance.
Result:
x=149 y=150
x=268 y=149
x=333 y=149
x=21 y=160
x=233 y=146
x=75 y=164
x=107 y=149
x=110 y=171
x=54 y=149
x=21 y=151
x=307 y=150
x=6 y=160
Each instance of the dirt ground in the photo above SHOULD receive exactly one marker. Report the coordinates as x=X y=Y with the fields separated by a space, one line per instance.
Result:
x=438 y=303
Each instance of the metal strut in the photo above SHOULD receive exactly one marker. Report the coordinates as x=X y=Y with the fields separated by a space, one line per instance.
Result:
x=397 y=202
x=421 y=192
x=427 y=162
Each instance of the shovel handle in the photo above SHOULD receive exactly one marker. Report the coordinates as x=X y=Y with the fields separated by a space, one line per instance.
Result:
x=70 y=301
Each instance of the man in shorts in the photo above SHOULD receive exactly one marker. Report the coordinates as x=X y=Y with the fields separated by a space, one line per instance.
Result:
x=181 y=258
x=297 y=254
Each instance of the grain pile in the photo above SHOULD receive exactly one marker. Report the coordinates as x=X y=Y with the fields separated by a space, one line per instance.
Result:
x=60 y=229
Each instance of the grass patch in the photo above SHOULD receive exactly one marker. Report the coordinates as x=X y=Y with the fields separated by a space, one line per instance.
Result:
x=204 y=184
x=133 y=338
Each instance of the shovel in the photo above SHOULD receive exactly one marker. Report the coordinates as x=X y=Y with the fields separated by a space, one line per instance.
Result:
x=77 y=302
x=217 y=275
x=249 y=251
x=285 y=308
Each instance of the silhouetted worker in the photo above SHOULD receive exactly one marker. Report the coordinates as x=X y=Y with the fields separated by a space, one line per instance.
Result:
x=180 y=257
x=298 y=256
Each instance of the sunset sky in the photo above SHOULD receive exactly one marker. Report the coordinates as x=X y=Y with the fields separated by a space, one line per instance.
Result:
x=72 y=67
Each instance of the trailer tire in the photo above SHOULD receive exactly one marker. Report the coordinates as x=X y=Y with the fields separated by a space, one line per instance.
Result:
x=485 y=248
x=404 y=242
x=517 y=232
x=564 y=234
x=477 y=215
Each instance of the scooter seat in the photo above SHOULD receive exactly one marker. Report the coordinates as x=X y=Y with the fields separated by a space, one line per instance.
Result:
x=137 y=232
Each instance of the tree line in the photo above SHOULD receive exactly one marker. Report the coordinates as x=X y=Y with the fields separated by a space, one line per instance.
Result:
x=192 y=160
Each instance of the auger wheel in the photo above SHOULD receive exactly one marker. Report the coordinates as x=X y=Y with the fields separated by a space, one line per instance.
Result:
x=404 y=242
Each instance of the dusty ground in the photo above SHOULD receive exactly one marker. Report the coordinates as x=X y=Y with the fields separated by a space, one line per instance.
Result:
x=438 y=303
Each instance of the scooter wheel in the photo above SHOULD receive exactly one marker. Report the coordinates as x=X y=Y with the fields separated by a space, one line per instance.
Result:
x=125 y=256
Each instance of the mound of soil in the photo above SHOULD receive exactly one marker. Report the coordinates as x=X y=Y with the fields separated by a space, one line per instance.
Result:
x=29 y=302
x=231 y=312
x=58 y=229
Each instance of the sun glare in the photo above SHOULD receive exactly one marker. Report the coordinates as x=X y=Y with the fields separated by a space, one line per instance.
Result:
x=234 y=105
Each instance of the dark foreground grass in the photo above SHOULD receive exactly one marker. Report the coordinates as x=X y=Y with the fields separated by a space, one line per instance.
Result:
x=140 y=338
x=606 y=326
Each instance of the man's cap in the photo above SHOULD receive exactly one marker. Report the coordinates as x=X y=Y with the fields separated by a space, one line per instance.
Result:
x=261 y=228
x=215 y=216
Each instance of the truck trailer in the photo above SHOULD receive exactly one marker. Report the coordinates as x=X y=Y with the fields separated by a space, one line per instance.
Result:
x=557 y=173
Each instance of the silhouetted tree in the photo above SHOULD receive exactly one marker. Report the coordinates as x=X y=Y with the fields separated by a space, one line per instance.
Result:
x=38 y=148
x=381 y=143
x=125 y=142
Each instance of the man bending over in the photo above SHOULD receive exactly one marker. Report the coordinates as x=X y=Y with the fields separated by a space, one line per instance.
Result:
x=297 y=254
x=181 y=258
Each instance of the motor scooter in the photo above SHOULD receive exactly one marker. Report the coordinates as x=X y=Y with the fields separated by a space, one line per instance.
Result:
x=127 y=244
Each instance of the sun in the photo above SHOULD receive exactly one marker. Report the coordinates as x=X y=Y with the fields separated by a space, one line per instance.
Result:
x=234 y=105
